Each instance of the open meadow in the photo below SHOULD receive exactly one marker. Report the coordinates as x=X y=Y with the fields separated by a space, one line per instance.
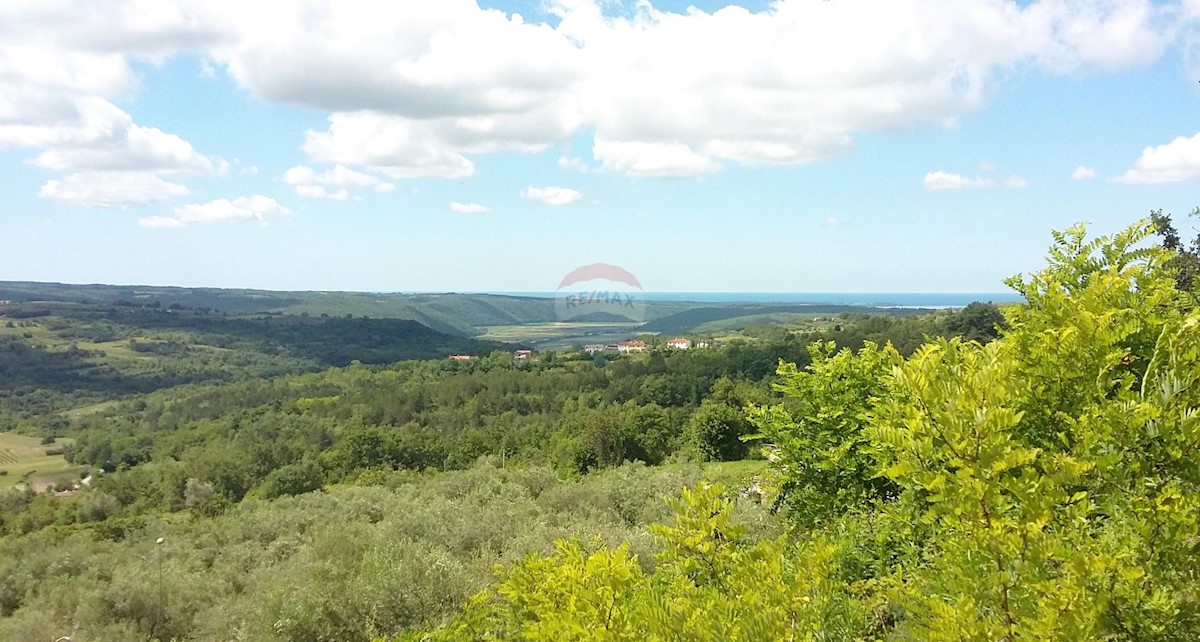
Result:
x=551 y=336
x=25 y=460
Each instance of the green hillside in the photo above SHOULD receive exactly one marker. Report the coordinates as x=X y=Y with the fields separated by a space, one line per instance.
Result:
x=692 y=319
x=56 y=356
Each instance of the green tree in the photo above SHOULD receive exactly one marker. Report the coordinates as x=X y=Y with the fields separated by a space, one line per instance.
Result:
x=715 y=432
x=820 y=435
x=1186 y=261
x=978 y=321
x=293 y=479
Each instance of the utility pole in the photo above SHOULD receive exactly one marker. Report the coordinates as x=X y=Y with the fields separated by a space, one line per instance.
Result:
x=161 y=596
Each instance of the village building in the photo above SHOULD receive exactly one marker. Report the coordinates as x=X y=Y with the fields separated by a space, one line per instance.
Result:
x=680 y=343
x=521 y=355
x=631 y=346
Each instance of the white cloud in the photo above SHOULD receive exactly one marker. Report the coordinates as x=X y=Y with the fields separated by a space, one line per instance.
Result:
x=311 y=184
x=111 y=189
x=92 y=134
x=62 y=66
x=247 y=208
x=666 y=94
x=552 y=195
x=573 y=163
x=941 y=181
x=320 y=192
x=832 y=221
x=389 y=145
x=416 y=89
x=1176 y=161
x=652 y=159
x=132 y=148
x=469 y=208
x=948 y=180
x=1083 y=173
x=987 y=166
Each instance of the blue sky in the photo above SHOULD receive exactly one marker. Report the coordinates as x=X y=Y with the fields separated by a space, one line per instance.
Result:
x=795 y=146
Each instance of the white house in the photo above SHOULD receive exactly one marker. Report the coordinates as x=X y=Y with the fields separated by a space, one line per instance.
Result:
x=680 y=343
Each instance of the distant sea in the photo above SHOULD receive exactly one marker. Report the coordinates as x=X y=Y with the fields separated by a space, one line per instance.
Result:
x=866 y=299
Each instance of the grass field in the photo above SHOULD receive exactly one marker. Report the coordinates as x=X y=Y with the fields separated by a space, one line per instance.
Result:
x=559 y=335
x=26 y=461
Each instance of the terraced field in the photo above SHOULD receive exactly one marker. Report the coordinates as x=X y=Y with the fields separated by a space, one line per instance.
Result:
x=24 y=460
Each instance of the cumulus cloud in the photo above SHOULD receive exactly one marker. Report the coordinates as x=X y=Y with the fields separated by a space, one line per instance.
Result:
x=1083 y=173
x=62 y=66
x=333 y=183
x=469 y=208
x=1173 y=162
x=832 y=221
x=948 y=180
x=111 y=189
x=320 y=192
x=389 y=145
x=247 y=208
x=417 y=89
x=91 y=138
x=652 y=159
x=666 y=94
x=941 y=181
x=552 y=195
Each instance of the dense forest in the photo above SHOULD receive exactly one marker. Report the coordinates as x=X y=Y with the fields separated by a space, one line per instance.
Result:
x=1017 y=473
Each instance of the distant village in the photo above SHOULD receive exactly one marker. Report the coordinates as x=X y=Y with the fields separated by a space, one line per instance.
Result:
x=678 y=343
x=622 y=347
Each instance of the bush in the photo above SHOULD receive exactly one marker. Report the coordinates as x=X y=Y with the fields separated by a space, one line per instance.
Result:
x=715 y=432
x=293 y=479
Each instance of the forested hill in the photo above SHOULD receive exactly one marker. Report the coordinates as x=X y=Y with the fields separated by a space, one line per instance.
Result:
x=55 y=356
x=451 y=313
x=689 y=320
x=461 y=314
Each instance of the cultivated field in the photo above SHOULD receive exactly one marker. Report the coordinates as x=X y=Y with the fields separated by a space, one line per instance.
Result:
x=26 y=462
x=560 y=335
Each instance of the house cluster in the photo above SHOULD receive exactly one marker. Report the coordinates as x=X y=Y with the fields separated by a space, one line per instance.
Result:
x=519 y=355
x=678 y=343
x=681 y=343
x=623 y=346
